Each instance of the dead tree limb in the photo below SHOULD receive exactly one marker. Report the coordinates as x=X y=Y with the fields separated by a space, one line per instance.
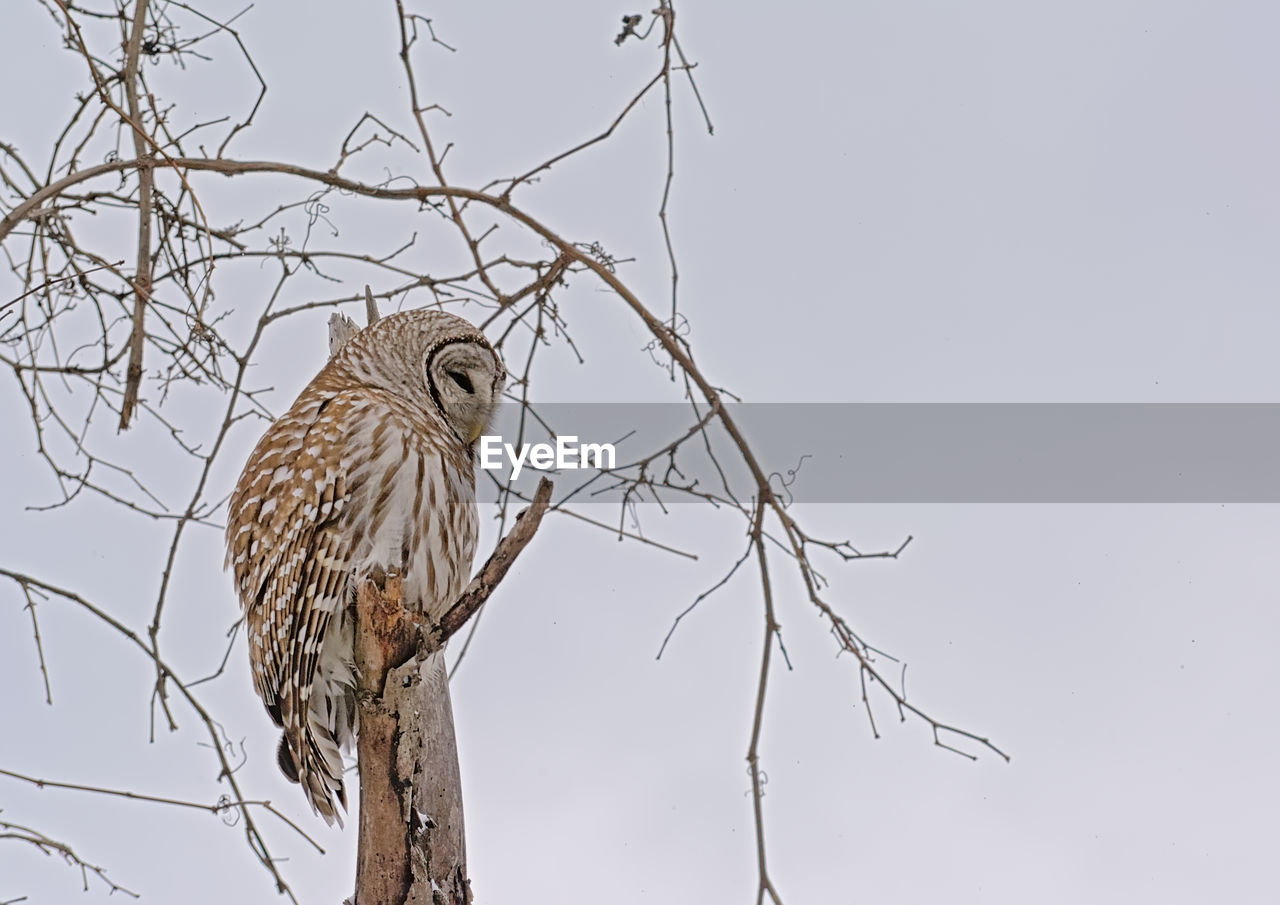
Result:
x=486 y=580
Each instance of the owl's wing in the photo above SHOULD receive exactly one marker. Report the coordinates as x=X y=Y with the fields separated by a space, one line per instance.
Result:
x=292 y=563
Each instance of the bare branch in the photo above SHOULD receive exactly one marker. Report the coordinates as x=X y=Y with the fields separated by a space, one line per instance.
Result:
x=19 y=833
x=219 y=807
x=142 y=275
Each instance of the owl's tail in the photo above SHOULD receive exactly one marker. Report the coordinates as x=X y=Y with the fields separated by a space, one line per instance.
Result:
x=313 y=758
x=320 y=776
x=312 y=754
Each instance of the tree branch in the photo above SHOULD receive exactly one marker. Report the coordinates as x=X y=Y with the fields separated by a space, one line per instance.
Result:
x=146 y=178
x=502 y=558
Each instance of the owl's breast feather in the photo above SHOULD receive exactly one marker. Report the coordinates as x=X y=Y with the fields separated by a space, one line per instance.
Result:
x=417 y=517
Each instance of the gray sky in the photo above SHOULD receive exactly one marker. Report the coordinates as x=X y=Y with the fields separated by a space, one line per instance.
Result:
x=902 y=202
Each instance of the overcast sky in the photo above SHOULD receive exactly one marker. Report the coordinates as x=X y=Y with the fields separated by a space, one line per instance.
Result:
x=926 y=201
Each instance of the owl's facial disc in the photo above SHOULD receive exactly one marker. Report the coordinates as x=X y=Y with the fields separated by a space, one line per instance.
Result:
x=466 y=379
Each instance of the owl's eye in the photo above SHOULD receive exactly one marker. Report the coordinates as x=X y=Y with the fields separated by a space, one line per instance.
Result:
x=462 y=380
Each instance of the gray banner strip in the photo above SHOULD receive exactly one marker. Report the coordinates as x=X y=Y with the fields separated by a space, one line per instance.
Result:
x=933 y=452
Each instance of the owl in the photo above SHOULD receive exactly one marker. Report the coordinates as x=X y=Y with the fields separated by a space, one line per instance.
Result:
x=372 y=467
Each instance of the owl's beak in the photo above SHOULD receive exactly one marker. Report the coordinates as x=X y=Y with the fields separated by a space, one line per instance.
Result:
x=474 y=435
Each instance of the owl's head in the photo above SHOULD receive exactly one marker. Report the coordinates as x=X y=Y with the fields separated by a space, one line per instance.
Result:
x=465 y=378
x=438 y=361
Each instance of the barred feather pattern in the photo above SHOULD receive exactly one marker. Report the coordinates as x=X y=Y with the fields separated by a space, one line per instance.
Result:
x=371 y=467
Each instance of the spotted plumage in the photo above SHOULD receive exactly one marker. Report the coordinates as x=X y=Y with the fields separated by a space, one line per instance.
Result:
x=371 y=467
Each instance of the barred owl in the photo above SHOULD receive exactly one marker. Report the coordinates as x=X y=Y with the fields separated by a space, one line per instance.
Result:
x=372 y=466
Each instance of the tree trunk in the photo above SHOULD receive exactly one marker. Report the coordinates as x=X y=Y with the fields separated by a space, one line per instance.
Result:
x=412 y=850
